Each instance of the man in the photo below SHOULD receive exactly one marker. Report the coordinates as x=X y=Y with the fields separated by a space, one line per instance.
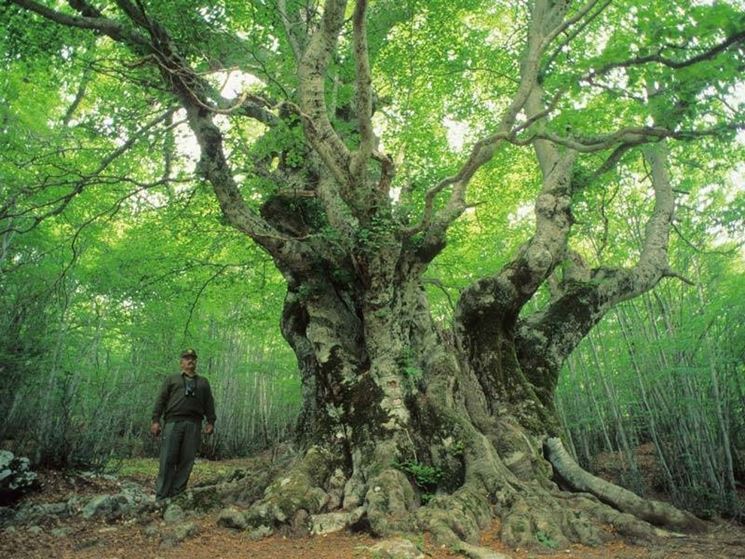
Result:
x=184 y=399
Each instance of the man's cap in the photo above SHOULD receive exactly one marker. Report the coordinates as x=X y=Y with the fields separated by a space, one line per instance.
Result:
x=189 y=353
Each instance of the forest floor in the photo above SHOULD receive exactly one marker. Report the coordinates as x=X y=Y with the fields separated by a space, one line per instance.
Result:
x=138 y=538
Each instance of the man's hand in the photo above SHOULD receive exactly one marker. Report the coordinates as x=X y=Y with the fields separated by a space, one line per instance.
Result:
x=208 y=428
x=155 y=428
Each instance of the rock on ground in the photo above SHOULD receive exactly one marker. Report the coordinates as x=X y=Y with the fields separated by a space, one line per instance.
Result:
x=477 y=552
x=173 y=514
x=260 y=533
x=178 y=534
x=396 y=548
x=16 y=477
x=231 y=517
x=61 y=532
x=35 y=530
x=29 y=514
x=151 y=530
x=110 y=507
x=328 y=523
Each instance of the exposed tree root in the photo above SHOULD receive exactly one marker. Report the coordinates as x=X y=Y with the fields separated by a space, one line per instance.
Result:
x=477 y=552
x=456 y=518
x=622 y=523
x=316 y=496
x=389 y=503
x=299 y=492
x=654 y=512
x=539 y=518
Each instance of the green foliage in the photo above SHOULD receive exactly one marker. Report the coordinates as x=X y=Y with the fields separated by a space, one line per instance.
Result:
x=112 y=260
x=709 y=504
x=16 y=477
x=412 y=374
x=545 y=540
x=409 y=368
x=374 y=237
x=456 y=448
x=88 y=330
x=426 y=477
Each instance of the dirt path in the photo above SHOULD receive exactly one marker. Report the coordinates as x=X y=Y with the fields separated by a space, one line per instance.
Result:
x=141 y=538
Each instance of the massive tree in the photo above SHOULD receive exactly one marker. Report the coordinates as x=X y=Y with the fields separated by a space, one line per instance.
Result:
x=330 y=160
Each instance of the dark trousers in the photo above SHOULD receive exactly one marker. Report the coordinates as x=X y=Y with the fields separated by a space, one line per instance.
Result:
x=178 y=448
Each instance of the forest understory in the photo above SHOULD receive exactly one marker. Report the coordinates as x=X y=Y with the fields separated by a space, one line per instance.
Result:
x=468 y=255
x=173 y=532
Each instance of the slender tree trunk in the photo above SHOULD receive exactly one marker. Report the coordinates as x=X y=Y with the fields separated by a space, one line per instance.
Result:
x=648 y=407
x=726 y=444
x=625 y=447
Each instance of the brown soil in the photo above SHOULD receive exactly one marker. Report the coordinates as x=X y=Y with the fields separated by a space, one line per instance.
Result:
x=97 y=540
x=130 y=540
x=58 y=486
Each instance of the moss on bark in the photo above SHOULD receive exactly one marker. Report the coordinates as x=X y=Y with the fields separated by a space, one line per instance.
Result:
x=475 y=417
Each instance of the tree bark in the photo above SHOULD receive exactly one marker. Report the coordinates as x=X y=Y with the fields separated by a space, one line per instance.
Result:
x=429 y=428
x=407 y=426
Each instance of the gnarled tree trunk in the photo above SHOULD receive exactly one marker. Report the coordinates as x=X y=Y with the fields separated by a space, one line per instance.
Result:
x=407 y=425
x=433 y=429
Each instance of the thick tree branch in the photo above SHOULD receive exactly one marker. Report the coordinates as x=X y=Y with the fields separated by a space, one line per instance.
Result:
x=633 y=135
x=518 y=281
x=136 y=13
x=191 y=90
x=213 y=165
x=544 y=16
x=88 y=21
x=546 y=152
x=364 y=93
x=251 y=106
x=500 y=297
x=312 y=75
x=547 y=337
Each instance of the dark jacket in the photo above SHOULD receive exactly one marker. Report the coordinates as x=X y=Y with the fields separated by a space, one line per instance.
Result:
x=173 y=403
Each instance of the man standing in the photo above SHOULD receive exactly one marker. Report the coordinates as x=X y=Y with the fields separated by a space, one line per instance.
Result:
x=184 y=399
